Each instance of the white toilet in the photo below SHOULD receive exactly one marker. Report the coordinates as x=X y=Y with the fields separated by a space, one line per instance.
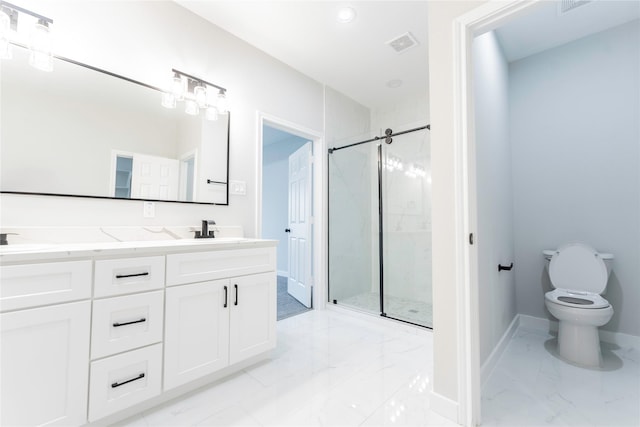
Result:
x=579 y=275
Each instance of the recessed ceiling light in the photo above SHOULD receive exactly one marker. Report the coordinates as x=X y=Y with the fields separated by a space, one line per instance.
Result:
x=395 y=83
x=346 y=15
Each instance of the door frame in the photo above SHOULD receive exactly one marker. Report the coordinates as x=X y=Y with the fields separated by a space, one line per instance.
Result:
x=319 y=162
x=484 y=18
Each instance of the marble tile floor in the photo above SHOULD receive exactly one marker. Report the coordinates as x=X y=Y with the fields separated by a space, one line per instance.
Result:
x=329 y=369
x=531 y=386
x=414 y=311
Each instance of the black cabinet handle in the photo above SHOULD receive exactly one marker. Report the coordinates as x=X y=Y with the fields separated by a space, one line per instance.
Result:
x=117 y=325
x=122 y=276
x=287 y=230
x=236 y=301
x=226 y=296
x=114 y=385
x=504 y=267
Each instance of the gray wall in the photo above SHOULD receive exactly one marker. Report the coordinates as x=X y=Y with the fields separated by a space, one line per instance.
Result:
x=495 y=193
x=575 y=138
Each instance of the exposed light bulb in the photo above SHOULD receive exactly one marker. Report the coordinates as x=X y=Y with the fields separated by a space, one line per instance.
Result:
x=168 y=100
x=200 y=93
x=222 y=102
x=191 y=107
x=178 y=85
x=212 y=114
x=41 y=56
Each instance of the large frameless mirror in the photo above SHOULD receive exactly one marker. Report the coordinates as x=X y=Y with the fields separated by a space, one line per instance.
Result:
x=80 y=131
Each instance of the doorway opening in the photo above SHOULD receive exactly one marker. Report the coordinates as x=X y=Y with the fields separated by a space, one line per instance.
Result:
x=286 y=211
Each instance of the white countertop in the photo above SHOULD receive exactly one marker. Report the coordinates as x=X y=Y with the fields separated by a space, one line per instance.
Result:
x=19 y=253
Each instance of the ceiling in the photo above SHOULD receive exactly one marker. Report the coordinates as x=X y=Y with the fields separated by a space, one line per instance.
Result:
x=355 y=59
x=352 y=58
x=545 y=27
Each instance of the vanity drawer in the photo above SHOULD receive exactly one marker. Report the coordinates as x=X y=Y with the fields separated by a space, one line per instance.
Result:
x=128 y=275
x=121 y=381
x=124 y=323
x=31 y=285
x=204 y=266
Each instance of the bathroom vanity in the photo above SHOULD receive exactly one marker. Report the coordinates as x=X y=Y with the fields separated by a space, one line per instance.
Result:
x=98 y=332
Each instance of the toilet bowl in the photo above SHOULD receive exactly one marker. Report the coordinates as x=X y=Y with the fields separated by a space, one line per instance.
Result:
x=579 y=275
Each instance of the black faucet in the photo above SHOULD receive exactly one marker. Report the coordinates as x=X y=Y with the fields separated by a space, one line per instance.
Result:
x=205 y=233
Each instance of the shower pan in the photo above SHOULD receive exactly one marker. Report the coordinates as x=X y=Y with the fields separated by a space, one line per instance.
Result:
x=380 y=226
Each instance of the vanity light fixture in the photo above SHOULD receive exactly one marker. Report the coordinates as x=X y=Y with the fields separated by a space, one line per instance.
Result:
x=40 y=40
x=5 y=27
x=197 y=94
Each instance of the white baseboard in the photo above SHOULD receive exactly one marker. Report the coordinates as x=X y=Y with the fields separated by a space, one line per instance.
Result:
x=443 y=406
x=282 y=273
x=492 y=360
x=546 y=325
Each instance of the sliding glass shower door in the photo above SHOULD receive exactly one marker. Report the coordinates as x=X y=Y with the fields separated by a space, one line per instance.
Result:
x=380 y=227
x=406 y=225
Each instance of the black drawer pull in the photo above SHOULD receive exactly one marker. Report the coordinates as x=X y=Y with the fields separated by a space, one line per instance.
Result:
x=122 y=276
x=114 y=385
x=236 y=301
x=226 y=296
x=116 y=325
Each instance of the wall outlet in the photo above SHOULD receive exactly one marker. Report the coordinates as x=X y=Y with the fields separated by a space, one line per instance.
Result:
x=149 y=210
x=238 y=187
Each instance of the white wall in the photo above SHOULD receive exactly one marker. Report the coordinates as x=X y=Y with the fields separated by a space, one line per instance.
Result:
x=497 y=296
x=445 y=325
x=576 y=163
x=275 y=194
x=144 y=41
x=409 y=112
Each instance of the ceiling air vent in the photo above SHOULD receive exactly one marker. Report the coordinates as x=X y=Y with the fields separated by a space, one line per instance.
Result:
x=403 y=43
x=568 y=5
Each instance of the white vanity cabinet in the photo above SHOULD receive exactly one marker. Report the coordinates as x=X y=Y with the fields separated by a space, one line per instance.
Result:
x=45 y=349
x=212 y=324
x=93 y=335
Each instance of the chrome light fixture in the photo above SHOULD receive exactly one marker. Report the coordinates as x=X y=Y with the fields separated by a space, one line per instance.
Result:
x=197 y=95
x=41 y=55
x=14 y=21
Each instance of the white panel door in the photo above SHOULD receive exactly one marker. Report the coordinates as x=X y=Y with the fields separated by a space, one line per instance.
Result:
x=196 y=341
x=45 y=365
x=252 y=300
x=154 y=177
x=299 y=281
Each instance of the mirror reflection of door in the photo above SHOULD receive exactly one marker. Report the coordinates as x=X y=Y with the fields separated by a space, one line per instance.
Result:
x=140 y=176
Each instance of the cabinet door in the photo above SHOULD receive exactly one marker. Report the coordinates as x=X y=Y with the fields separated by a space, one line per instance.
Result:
x=253 y=315
x=196 y=331
x=45 y=365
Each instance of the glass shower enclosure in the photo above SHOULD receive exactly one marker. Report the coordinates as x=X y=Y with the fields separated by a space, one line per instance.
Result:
x=380 y=226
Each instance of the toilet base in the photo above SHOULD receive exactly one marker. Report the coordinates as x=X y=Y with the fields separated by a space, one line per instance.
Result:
x=579 y=344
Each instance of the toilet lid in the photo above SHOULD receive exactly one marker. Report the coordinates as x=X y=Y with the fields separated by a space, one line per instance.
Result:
x=578 y=267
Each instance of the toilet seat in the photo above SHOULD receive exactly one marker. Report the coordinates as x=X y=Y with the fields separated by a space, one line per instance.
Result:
x=579 y=268
x=576 y=299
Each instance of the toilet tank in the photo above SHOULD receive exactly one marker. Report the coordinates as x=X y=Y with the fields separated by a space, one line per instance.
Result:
x=607 y=258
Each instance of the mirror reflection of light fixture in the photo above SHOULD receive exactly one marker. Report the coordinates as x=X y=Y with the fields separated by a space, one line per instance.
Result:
x=168 y=100
x=191 y=107
x=12 y=23
x=197 y=94
x=5 y=27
